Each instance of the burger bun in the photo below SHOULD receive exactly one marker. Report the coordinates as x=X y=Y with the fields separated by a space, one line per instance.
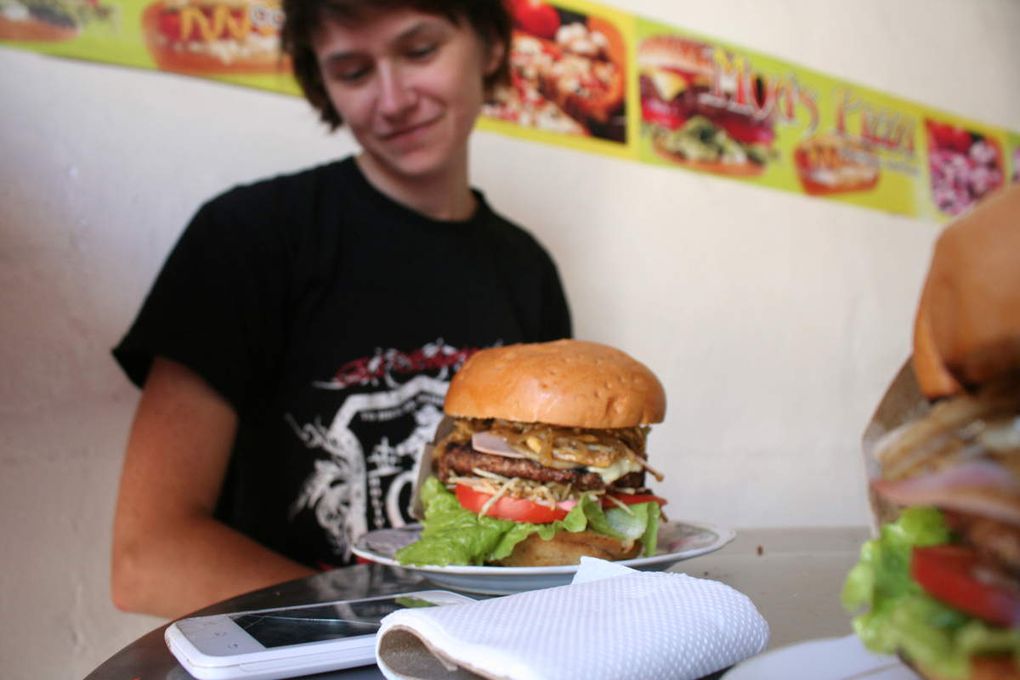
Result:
x=568 y=548
x=746 y=169
x=981 y=668
x=570 y=383
x=673 y=53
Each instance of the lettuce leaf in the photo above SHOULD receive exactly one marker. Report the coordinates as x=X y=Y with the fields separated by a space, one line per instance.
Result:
x=899 y=616
x=453 y=535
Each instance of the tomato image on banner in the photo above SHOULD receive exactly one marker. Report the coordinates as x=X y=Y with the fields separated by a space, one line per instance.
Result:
x=568 y=74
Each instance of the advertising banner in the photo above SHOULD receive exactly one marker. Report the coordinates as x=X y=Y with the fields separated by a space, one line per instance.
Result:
x=597 y=79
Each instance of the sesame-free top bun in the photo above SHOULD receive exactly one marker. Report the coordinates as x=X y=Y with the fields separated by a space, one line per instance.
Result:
x=674 y=52
x=570 y=383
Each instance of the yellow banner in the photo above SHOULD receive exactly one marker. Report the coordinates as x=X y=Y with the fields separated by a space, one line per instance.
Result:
x=594 y=78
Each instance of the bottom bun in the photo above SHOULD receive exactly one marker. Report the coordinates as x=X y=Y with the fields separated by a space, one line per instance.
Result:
x=746 y=169
x=568 y=548
x=981 y=668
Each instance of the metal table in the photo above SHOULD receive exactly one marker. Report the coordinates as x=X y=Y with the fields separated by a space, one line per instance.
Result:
x=793 y=575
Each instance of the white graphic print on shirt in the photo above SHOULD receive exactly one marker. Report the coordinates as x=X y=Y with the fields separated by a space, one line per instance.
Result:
x=374 y=440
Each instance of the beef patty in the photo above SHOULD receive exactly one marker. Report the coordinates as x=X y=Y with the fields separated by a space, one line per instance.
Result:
x=461 y=459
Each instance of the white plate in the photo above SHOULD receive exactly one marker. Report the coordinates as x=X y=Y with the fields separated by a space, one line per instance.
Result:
x=677 y=541
x=842 y=658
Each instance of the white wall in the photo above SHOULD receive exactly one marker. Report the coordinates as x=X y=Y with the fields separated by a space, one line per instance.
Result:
x=774 y=321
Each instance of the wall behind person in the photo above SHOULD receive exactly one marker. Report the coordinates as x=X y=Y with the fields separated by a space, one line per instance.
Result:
x=774 y=321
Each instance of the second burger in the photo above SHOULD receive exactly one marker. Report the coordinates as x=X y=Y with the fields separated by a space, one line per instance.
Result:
x=545 y=462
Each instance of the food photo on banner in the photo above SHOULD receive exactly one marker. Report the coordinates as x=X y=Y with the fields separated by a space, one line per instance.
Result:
x=214 y=38
x=964 y=165
x=715 y=108
x=229 y=41
x=1013 y=141
x=53 y=21
x=591 y=77
x=569 y=67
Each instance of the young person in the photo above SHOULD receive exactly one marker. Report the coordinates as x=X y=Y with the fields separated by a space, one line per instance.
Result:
x=296 y=347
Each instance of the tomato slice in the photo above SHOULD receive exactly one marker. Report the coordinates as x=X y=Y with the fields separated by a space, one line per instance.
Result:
x=514 y=509
x=952 y=574
x=633 y=499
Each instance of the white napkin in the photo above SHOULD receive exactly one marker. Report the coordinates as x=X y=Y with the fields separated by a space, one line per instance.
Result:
x=611 y=622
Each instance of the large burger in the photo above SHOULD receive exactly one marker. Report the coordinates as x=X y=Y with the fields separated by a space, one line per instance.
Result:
x=691 y=125
x=940 y=584
x=545 y=461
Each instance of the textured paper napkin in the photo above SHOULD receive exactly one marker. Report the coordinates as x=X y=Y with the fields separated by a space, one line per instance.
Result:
x=611 y=622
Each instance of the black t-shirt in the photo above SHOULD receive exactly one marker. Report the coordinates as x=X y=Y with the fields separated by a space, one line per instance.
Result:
x=332 y=318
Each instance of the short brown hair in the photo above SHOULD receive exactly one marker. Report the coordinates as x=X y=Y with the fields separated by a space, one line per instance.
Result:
x=490 y=19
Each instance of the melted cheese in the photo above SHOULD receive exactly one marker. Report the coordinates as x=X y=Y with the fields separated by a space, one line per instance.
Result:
x=618 y=469
x=668 y=84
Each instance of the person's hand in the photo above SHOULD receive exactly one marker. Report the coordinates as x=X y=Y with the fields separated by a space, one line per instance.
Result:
x=967 y=329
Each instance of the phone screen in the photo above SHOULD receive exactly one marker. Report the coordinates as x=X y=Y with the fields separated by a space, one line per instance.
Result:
x=316 y=623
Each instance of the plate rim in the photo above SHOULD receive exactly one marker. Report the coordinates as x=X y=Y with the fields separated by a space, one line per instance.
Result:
x=724 y=536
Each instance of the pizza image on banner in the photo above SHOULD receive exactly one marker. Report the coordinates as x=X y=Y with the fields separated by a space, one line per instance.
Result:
x=568 y=74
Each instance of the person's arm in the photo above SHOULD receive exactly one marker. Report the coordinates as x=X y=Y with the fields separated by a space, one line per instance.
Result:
x=170 y=556
x=967 y=328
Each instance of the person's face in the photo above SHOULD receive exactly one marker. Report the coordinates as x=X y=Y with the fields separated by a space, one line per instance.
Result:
x=409 y=85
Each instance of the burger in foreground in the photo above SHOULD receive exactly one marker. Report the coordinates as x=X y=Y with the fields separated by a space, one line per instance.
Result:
x=545 y=462
x=941 y=581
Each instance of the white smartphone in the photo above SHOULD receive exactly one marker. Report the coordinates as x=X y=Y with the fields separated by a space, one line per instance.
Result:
x=284 y=642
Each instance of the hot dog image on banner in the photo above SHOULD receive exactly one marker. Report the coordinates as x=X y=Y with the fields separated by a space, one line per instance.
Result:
x=568 y=73
x=49 y=21
x=835 y=163
x=215 y=36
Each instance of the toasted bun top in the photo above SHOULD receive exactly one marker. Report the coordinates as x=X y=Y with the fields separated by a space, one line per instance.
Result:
x=571 y=383
x=674 y=52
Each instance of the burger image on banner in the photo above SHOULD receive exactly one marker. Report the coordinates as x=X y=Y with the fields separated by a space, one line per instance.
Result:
x=543 y=460
x=48 y=20
x=940 y=583
x=212 y=37
x=691 y=121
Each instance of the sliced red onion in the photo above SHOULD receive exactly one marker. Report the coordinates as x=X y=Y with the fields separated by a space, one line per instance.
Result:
x=978 y=487
x=487 y=442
